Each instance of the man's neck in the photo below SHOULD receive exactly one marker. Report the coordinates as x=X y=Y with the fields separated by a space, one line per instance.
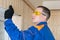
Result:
x=37 y=23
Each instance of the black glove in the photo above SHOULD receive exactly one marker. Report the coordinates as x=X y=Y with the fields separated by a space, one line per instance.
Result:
x=9 y=13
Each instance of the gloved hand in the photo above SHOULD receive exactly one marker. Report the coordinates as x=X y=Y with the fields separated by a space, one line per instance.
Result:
x=9 y=13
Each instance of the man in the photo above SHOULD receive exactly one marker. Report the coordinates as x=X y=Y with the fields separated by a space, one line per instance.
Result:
x=39 y=31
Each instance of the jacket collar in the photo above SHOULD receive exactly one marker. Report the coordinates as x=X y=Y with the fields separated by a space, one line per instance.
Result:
x=45 y=23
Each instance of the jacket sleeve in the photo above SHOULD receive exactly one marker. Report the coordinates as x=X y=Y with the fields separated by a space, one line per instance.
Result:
x=14 y=32
x=48 y=34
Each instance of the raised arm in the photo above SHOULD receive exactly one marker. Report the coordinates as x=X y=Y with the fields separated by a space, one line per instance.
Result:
x=12 y=29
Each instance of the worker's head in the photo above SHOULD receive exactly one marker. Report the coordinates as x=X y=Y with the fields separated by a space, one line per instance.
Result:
x=41 y=14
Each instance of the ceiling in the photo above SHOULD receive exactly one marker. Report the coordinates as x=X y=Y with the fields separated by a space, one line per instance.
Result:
x=36 y=3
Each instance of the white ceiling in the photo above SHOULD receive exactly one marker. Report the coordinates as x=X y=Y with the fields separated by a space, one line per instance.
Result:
x=36 y=3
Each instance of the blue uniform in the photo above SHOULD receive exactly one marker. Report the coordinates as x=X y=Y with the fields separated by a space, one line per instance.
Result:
x=31 y=34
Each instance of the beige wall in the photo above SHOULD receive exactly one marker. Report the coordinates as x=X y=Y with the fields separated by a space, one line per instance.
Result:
x=36 y=2
x=20 y=8
x=17 y=4
x=27 y=14
x=54 y=23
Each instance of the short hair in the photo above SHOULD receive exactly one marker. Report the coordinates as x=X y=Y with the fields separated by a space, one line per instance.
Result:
x=46 y=11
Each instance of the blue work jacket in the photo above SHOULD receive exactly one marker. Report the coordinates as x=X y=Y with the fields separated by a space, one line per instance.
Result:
x=31 y=34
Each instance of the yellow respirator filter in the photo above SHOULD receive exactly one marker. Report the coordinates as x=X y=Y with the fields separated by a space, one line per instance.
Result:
x=37 y=13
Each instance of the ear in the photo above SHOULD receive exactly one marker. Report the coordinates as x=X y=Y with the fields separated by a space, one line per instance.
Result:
x=45 y=17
